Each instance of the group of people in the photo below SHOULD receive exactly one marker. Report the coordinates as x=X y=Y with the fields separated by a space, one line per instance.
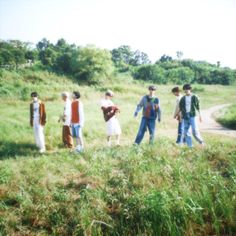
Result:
x=185 y=113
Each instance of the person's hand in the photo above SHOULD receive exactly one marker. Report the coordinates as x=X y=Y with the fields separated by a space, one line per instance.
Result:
x=136 y=114
x=159 y=120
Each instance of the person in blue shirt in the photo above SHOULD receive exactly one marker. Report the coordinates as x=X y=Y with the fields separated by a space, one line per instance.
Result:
x=151 y=111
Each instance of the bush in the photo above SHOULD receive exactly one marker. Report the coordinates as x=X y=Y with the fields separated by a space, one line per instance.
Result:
x=229 y=118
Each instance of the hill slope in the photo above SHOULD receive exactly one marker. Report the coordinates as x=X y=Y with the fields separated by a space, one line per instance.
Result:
x=147 y=190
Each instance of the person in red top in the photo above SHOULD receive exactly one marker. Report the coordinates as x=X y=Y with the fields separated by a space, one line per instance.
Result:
x=77 y=121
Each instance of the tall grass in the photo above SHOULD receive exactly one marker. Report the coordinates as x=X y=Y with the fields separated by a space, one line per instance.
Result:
x=146 y=190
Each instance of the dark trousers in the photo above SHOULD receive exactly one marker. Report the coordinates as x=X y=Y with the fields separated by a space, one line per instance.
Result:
x=180 y=137
x=66 y=137
x=144 y=125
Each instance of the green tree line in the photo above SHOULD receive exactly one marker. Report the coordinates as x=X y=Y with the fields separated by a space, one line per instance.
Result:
x=92 y=64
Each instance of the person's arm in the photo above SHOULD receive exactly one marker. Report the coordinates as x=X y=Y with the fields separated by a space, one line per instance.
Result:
x=67 y=111
x=198 y=107
x=158 y=110
x=139 y=107
x=81 y=114
x=44 y=116
x=31 y=115
x=177 y=110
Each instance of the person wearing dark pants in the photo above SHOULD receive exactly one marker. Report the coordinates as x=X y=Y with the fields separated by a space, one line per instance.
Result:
x=177 y=115
x=66 y=119
x=151 y=111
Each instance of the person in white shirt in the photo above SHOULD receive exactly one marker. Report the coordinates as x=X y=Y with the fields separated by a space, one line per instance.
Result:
x=178 y=117
x=38 y=121
x=66 y=119
x=189 y=106
x=110 y=116
x=77 y=120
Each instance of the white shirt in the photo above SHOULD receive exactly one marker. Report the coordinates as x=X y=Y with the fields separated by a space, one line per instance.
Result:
x=36 y=111
x=106 y=103
x=67 y=112
x=188 y=103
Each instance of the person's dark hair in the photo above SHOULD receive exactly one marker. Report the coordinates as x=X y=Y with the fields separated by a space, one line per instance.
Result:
x=34 y=94
x=175 y=90
x=77 y=94
x=187 y=87
x=152 y=87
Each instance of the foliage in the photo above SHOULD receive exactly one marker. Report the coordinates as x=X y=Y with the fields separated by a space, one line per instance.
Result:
x=185 y=71
x=228 y=119
x=92 y=64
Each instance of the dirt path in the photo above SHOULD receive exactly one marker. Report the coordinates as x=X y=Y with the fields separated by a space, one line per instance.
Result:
x=209 y=124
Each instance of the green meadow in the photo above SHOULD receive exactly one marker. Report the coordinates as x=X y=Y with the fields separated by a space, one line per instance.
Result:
x=160 y=189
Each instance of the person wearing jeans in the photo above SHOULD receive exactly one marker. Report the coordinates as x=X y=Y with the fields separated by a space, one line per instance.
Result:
x=77 y=121
x=151 y=111
x=189 y=105
x=177 y=116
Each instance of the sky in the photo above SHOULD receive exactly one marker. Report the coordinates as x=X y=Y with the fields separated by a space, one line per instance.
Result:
x=202 y=29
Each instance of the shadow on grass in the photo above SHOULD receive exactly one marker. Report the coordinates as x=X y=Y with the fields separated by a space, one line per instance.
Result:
x=10 y=149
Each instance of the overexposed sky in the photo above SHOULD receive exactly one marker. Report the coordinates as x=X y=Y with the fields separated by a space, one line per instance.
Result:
x=202 y=29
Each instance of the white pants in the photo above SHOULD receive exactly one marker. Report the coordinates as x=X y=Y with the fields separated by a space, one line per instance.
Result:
x=39 y=136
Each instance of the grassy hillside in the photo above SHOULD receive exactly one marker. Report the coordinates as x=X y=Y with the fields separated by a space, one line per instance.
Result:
x=146 y=190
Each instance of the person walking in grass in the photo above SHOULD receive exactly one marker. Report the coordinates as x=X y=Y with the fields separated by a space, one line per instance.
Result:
x=151 y=111
x=66 y=119
x=178 y=117
x=38 y=121
x=77 y=121
x=189 y=105
x=110 y=116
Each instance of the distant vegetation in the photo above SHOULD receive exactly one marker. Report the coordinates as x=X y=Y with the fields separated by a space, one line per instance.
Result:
x=94 y=65
x=229 y=117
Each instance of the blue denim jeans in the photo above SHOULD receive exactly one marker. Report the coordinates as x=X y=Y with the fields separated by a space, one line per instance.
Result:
x=146 y=123
x=190 y=122
x=180 y=137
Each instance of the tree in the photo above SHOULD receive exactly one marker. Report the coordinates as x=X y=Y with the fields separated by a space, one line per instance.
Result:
x=92 y=64
x=123 y=57
x=165 y=58
x=179 y=54
x=139 y=58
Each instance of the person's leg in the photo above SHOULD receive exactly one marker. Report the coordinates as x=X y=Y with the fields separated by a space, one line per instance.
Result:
x=41 y=138
x=35 y=129
x=180 y=138
x=151 y=124
x=118 y=139
x=74 y=134
x=64 y=135
x=182 y=132
x=79 y=139
x=67 y=138
x=187 y=133
x=108 y=141
x=195 y=130
x=141 y=131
